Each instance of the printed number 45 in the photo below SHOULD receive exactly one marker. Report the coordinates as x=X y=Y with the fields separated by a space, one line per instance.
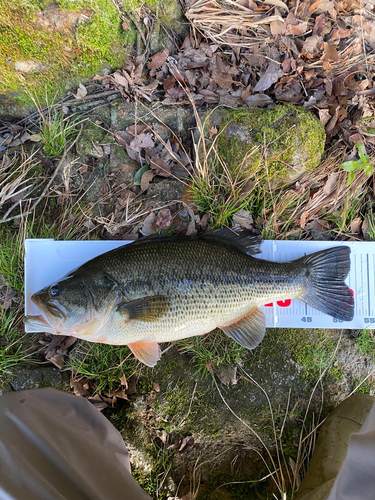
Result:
x=307 y=319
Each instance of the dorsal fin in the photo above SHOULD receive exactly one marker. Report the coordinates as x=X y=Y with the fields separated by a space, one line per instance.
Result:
x=242 y=240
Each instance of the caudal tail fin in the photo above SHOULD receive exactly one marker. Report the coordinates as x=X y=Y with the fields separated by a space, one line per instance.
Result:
x=327 y=291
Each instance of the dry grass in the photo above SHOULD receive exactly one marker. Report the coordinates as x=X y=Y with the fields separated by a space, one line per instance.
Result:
x=221 y=21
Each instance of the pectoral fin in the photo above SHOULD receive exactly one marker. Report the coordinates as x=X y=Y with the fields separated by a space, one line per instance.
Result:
x=147 y=352
x=145 y=308
x=248 y=330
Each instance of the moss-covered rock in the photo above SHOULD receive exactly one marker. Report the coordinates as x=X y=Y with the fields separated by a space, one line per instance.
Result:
x=281 y=143
x=228 y=422
x=49 y=48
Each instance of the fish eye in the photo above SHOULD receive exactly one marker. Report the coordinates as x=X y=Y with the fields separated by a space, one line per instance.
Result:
x=54 y=290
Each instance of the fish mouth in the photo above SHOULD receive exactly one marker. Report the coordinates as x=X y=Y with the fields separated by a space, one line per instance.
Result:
x=48 y=307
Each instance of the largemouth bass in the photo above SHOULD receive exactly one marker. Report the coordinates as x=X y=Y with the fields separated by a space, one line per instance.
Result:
x=161 y=289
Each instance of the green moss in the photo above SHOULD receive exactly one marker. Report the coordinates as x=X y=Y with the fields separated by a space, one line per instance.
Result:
x=311 y=349
x=71 y=54
x=292 y=136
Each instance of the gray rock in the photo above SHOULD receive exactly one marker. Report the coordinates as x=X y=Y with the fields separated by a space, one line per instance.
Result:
x=28 y=66
x=5 y=387
x=121 y=165
x=180 y=119
x=36 y=378
x=164 y=191
x=172 y=20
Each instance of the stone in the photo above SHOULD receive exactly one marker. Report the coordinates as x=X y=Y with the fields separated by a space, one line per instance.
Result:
x=121 y=165
x=164 y=191
x=5 y=387
x=36 y=378
x=170 y=28
x=180 y=119
x=90 y=140
x=291 y=138
x=28 y=66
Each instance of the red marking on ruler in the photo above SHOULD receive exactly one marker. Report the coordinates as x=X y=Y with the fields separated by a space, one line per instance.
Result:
x=281 y=303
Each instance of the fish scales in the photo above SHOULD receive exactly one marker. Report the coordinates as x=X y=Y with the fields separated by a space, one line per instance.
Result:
x=165 y=289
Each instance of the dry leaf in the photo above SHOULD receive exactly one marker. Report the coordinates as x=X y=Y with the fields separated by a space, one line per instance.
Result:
x=187 y=444
x=258 y=101
x=120 y=80
x=296 y=30
x=319 y=25
x=244 y=219
x=355 y=225
x=311 y=43
x=164 y=219
x=149 y=225
x=142 y=141
x=272 y=74
x=79 y=387
x=213 y=131
x=303 y=219
x=332 y=123
x=146 y=179
x=330 y=184
x=330 y=53
x=324 y=116
x=155 y=387
x=81 y=92
x=158 y=59
x=278 y=3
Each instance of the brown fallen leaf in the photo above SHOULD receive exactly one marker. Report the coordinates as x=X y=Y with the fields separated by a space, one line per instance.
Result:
x=272 y=74
x=81 y=92
x=158 y=59
x=355 y=225
x=330 y=53
x=120 y=80
x=213 y=131
x=332 y=122
x=330 y=185
x=156 y=387
x=187 y=444
x=300 y=29
x=319 y=25
x=258 y=101
x=142 y=141
x=311 y=43
x=146 y=179
x=80 y=387
x=324 y=116
x=244 y=219
x=303 y=219
x=149 y=225
x=163 y=219
x=159 y=166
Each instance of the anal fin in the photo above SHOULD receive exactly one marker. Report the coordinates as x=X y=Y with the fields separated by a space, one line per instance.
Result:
x=248 y=330
x=147 y=352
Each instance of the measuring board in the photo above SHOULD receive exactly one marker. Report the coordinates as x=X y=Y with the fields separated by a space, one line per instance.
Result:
x=47 y=261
